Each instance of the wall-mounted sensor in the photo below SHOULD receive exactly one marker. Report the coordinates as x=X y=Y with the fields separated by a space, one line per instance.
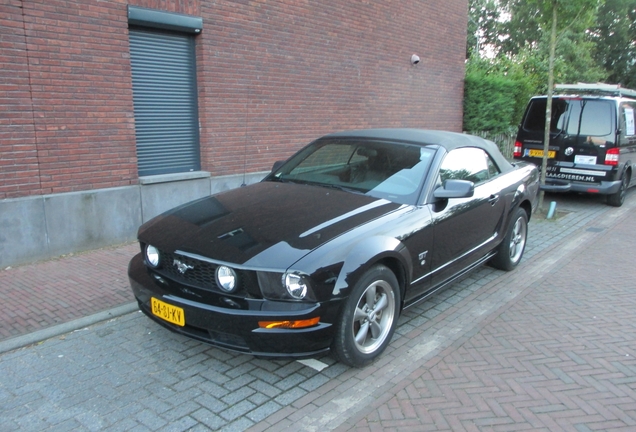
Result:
x=415 y=59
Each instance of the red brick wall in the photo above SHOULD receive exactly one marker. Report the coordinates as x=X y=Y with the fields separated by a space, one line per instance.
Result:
x=272 y=75
x=75 y=96
x=278 y=75
x=18 y=153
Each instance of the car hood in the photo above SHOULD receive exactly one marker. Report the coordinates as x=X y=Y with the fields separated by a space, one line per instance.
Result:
x=267 y=225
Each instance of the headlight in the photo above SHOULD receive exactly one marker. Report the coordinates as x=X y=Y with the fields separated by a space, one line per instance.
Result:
x=285 y=286
x=296 y=285
x=152 y=256
x=226 y=278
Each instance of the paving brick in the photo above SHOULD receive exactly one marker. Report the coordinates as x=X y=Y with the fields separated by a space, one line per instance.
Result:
x=571 y=322
x=208 y=419
x=27 y=290
x=237 y=410
x=549 y=346
x=263 y=411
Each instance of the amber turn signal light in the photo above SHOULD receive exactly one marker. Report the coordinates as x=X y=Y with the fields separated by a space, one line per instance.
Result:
x=289 y=324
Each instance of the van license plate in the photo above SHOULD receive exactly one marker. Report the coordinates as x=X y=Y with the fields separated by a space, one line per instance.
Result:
x=167 y=312
x=587 y=160
x=539 y=153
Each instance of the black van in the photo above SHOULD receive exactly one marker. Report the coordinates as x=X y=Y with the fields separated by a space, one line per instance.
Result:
x=592 y=139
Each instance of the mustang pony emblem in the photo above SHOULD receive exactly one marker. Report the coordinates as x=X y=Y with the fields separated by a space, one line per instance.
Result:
x=181 y=266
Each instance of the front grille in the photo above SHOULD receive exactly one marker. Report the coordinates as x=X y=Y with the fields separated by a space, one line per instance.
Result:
x=196 y=272
x=201 y=274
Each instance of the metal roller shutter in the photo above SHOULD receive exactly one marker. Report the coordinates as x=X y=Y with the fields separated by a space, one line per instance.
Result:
x=165 y=102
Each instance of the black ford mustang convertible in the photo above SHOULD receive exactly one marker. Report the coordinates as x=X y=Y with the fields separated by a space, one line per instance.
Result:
x=334 y=243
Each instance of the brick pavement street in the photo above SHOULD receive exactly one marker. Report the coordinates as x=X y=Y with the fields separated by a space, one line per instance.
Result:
x=40 y=295
x=561 y=356
x=546 y=347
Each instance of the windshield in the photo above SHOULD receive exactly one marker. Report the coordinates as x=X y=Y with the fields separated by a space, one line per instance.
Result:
x=392 y=171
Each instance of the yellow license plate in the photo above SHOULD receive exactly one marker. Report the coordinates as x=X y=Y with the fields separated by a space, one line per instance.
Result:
x=167 y=312
x=539 y=153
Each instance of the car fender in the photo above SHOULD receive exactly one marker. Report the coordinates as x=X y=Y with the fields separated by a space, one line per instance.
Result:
x=528 y=187
x=522 y=193
x=340 y=267
x=627 y=170
x=367 y=253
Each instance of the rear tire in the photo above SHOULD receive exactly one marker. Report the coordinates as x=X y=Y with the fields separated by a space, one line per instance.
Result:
x=617 y=199
x=510 y=251
x=369 y=318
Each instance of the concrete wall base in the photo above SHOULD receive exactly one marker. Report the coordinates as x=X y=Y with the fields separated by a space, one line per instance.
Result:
x=46 y=226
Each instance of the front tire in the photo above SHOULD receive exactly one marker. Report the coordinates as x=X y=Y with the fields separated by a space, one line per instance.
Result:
x=369 y=318
x=510 y=251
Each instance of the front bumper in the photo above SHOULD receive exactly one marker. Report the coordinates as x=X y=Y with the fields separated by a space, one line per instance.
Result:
x=233 y=327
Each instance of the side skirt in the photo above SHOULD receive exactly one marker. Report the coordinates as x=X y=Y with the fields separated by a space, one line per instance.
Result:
x=449 y=281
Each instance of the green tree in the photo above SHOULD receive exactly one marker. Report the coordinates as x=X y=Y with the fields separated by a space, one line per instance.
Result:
x=522 y=31
x=549 y=39
x=526 y=36
x=615 y=41
x=483 y=23
x=515 y=34
x=560 y=16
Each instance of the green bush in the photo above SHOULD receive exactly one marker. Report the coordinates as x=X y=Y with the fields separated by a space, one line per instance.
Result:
x=489 y=102
x=495 y=96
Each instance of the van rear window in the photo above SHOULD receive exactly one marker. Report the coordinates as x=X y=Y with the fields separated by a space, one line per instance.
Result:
x=590 y=118
x=587 y=117
x=535 y=118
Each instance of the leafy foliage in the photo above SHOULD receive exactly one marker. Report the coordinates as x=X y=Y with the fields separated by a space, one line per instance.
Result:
x=614 y=37
x=596 y=41
x=483 y=18
x=530 y=20
x=495 y=96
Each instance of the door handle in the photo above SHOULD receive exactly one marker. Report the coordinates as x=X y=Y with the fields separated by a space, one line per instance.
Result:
x=493 y=199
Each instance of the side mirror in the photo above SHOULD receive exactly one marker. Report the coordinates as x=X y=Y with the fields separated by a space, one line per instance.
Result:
x=455 y=189
x=277 y=165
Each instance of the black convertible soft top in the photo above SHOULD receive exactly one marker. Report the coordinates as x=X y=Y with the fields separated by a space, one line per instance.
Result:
x=445 y=139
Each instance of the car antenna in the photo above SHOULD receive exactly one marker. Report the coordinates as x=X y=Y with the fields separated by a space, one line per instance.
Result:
x=247 y=121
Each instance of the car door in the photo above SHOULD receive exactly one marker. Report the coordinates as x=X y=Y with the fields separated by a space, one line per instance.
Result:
x=627 y=133
x=465 y=228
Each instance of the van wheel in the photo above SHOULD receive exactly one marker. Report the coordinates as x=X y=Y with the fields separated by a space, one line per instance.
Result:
x=617 y=199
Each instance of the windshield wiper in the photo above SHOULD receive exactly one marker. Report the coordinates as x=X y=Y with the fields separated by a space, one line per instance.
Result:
x=311 y=183
x=340 y=187
x=282 y=179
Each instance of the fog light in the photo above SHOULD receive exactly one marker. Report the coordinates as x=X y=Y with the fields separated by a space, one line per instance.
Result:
x=225 y=278
x=152 y=256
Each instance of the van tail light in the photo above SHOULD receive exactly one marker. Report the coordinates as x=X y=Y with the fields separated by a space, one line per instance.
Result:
x=611 y=156
x=518 y=149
